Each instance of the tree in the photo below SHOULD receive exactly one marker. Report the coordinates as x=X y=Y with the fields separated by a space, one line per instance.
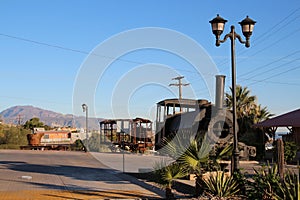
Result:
x=165 y=175
x=12 y=136
x=245 y=103
x=248 y=111
x=262 y=114
x=33 y=123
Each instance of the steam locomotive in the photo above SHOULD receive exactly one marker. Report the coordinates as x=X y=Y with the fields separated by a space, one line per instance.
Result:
x=200 y=117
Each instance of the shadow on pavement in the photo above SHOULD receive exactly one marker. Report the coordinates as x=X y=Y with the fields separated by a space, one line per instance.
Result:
x=83 y=173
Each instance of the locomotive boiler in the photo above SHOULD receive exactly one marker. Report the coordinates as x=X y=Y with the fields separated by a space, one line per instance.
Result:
x=198 y=117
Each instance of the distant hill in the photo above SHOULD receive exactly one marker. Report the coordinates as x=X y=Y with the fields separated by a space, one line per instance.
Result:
x=50 y=118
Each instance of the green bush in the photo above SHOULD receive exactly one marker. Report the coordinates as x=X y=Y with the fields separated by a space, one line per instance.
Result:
x=12 y=136
x=290 y=151
x=78 y=146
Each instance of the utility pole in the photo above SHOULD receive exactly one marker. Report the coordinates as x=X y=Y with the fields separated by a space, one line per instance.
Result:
x=179 y=85
x=19 y=120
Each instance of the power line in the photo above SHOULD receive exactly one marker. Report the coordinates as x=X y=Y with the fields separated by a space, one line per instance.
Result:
x=44 y=44
x=68 y=49
x=275 y=75
x=137 y=62
x=268 y=32
x=268 y=64
x=276 y=42
x=282 y=65
x=272 y=82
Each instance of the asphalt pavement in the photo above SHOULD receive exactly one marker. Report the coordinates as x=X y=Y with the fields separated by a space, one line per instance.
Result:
x=27 y=174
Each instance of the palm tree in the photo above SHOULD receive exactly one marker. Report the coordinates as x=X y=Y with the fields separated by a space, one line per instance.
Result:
x=248 y=111
x=189 y=152
x=166 y=174
x=262 y=114
x=245 y=103
x=198 y=160
x=195 y=160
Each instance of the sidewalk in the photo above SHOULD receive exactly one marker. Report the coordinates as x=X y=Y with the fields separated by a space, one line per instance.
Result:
x=130 y=163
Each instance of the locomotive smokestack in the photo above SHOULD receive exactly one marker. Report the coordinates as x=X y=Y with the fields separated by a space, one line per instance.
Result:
x=219 y=99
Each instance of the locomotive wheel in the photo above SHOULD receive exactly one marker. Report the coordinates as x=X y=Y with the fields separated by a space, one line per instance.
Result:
x=221 y=126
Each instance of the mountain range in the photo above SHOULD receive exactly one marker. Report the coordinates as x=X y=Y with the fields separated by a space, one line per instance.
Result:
x=21 y=114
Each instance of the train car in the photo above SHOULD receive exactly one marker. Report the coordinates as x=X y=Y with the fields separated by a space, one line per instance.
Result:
x=131 y=134
x=41 y=139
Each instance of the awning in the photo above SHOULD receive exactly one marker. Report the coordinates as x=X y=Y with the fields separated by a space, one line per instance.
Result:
x=288 y=119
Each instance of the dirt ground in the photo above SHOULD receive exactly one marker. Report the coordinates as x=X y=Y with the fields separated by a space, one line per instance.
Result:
x=78 y=195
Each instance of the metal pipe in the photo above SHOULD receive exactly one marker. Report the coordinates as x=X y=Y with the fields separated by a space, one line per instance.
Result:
x=219 y=98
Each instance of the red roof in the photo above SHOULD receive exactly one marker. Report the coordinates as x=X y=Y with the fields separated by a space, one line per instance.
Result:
x=288 y=119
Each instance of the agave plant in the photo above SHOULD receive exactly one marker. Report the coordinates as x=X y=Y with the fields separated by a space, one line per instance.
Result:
x=268 y=185
x=290 y=186
x=220 y=185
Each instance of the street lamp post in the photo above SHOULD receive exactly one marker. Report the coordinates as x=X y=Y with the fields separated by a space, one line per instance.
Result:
x=85 y=109
x=217 y=25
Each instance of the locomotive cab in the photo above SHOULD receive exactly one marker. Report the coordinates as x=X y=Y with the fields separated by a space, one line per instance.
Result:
x=170 y=113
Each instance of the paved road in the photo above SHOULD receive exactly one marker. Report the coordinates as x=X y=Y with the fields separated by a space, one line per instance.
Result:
x=65 y=175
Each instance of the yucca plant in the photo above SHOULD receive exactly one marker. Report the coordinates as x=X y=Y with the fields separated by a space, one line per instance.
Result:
x=220 y=185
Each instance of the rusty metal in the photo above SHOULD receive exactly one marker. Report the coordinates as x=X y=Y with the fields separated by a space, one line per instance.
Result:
x=34 y=139
x=136 y=133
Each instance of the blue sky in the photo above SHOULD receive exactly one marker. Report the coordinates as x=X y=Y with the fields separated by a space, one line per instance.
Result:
x=44 y=44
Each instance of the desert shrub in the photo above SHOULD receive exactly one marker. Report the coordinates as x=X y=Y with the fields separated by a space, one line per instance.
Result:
x=220 y=185
x=268 y=185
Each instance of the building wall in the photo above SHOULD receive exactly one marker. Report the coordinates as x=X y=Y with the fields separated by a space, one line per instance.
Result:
x=296 y=134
